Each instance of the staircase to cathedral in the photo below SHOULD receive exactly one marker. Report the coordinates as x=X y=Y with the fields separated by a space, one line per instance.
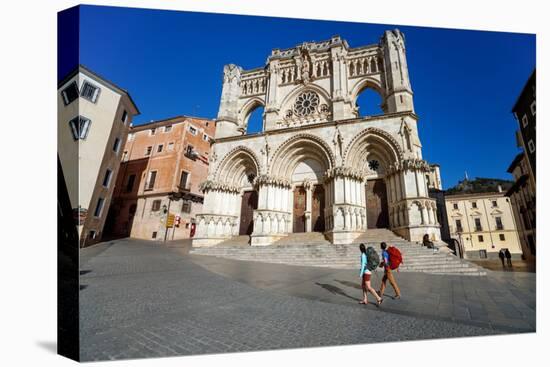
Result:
x=313 y=249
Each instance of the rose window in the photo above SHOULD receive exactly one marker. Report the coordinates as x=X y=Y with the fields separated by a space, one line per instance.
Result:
x=306 y=103
x=374 y=165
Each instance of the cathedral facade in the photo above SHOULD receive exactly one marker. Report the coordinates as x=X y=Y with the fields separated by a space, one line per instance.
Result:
x=317 y=165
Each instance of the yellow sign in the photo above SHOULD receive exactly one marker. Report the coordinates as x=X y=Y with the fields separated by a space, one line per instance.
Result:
x=170 y=221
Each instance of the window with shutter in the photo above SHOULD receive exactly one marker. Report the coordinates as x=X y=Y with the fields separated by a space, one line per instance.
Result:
x=151 y=181
x=89 y=92
x=184 y=180
x=70 y=93
x=478 y=224
x=498 y=221
x=79 y=127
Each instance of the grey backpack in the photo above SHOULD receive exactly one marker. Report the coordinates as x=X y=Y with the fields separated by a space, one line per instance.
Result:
x=373 y=260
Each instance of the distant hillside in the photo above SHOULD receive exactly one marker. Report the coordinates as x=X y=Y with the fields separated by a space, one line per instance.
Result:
x=479 y=185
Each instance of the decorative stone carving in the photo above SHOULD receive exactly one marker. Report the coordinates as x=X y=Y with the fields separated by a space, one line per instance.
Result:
x=271 y=180
x=308 y=185
x=305 y=68
x=210 y=185
x=344 y=171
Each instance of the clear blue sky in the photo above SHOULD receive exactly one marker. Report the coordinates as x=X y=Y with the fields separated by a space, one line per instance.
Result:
x=464 y=82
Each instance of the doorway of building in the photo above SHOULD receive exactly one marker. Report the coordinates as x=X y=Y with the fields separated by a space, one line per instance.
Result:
x=318 y=209
x=377 y=204
x=299 y=209
x=248 y=204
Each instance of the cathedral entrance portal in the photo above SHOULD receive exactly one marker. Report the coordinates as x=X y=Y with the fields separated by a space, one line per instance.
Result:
x=318 y=209
x=248 y=205
x=299 y=209
x=377 y=204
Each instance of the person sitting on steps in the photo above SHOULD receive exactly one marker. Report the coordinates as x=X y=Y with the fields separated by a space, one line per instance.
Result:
x=426 y=241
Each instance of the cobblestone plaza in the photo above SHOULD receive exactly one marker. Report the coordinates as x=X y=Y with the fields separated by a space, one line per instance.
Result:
x=144 y=299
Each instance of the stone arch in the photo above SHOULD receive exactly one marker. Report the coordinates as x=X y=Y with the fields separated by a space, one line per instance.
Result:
x=367 y=83
x=247 y=109
x=298 y=148
x=372 y=141
x=237 y=164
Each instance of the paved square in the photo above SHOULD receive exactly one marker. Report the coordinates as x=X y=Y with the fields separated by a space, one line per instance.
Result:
x=143 y=299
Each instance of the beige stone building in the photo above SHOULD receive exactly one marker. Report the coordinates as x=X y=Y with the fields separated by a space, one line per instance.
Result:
x=318 y=165
x=164 y=163
x=93 y=120
x=483 y=223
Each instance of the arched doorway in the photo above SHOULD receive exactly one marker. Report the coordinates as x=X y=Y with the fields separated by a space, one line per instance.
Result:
x=303 y=160
x=239 y=170
x=373 y=152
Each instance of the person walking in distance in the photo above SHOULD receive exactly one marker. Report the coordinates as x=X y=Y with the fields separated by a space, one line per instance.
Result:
x=388 y=275
x=501 y=256
x=508 y=257
x=365 y=275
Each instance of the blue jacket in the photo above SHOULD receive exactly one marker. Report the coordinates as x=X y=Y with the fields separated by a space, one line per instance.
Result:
x=363 y=265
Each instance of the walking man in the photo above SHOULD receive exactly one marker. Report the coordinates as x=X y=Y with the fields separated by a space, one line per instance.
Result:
x=388 y=275
x=501 y=256
x=508 y=257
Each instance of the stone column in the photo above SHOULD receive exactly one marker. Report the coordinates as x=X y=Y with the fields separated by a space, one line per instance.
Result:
x=216 y=221
x=272 y=216
x=347 y=207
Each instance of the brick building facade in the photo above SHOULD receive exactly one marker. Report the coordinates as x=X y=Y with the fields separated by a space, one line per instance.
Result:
x=163 y=164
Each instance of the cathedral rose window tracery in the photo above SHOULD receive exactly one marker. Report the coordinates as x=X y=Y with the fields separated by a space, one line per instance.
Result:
x=306 y=103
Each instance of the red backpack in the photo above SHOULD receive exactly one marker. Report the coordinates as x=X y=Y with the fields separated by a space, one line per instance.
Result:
x=395 y=257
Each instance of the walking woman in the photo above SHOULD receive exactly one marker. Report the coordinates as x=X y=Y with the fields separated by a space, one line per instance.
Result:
x=365 y=275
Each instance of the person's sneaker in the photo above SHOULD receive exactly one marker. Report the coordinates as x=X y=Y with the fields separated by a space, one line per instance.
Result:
x=397 y=297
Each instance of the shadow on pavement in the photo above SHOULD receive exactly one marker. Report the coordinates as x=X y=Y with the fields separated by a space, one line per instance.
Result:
x=349 y=284
x=335 y=290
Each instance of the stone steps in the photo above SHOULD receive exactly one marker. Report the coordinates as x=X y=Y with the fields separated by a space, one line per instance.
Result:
x=312 y=249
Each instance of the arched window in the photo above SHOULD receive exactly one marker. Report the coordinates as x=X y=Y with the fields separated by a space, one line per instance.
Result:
x=369 y=103
x=255 y=120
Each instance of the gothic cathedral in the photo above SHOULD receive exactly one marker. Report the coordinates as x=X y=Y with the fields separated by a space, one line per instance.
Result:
x=317 y=166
